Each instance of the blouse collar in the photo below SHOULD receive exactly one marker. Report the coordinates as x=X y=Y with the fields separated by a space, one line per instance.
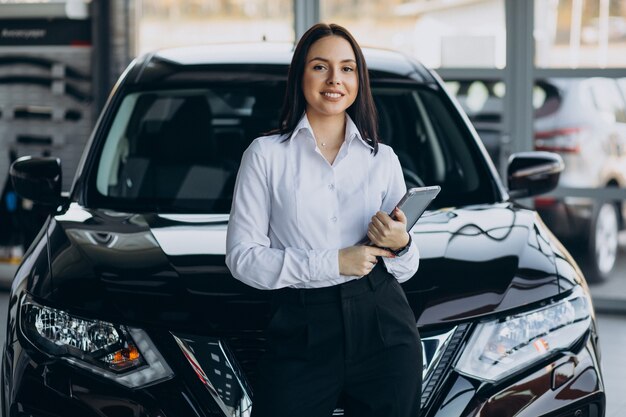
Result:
x=352 y=131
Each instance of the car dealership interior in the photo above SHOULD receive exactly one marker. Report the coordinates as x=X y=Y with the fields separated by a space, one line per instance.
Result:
x=543 y=79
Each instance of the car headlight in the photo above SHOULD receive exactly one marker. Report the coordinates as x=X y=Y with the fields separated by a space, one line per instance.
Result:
x=501 y=347
x=123 y=354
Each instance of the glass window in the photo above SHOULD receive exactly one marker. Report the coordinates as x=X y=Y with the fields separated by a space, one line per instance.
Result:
x=577 y=33
x=181 y=149
x=429 y=145
x=192 y=22
x=482 y=100
x=440 y=33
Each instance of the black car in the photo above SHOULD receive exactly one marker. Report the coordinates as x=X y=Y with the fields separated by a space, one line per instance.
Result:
x=584 y=121
x=123 y=305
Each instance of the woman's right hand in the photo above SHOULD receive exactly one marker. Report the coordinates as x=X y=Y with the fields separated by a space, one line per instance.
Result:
x=360 y=260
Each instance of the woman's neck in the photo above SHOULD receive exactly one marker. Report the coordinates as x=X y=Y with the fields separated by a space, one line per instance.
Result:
x=328 y=129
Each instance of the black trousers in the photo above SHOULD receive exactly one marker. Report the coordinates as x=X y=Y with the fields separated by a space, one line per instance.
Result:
x=357 y=340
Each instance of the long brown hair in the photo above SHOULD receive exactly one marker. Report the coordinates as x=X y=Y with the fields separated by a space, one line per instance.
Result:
x=362 y=111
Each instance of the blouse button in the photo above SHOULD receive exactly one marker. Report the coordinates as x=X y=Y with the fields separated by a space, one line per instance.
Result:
x=331 y=187
x=333 y=219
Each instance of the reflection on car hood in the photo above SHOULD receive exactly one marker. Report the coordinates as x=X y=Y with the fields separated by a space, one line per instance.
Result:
x=169 y=270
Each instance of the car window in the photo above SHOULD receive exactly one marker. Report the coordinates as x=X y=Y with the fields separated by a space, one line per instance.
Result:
x=179 y=150
x=183 y=147
x=431 y=147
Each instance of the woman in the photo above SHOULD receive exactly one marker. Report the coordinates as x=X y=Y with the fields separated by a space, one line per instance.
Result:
x=304 y=198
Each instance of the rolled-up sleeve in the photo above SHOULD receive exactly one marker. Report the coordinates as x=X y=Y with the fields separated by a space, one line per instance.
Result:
x=248 y=253
x=401 y=267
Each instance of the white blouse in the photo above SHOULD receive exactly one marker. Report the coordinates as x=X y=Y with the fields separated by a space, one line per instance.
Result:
x=292 y=210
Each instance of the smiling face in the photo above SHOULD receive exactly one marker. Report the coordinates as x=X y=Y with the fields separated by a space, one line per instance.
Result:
x=330 y=81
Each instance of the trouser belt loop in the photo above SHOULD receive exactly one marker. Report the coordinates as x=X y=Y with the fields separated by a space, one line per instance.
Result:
x=302 y=297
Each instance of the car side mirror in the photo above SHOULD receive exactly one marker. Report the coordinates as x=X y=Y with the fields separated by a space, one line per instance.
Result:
x=38 y=179
x=533 y=173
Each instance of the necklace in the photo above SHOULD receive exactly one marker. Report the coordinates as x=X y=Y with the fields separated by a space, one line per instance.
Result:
x=323 y=144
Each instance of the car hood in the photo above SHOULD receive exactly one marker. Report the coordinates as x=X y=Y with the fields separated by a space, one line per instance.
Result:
x=169 y=270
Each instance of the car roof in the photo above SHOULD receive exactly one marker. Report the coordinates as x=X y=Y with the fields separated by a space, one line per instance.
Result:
x=381 y=63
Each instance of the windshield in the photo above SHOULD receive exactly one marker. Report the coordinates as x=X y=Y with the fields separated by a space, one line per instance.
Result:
x=179 y=150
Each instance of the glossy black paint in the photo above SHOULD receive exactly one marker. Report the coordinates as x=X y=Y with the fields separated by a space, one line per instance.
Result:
x=533 y=173
x=37 y=179
x=531 y=395
x=166 y=273
x=56 y=389
x=150 y=269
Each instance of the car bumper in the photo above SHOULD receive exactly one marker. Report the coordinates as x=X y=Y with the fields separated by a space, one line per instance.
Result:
x=42 y=388
x=38 y=389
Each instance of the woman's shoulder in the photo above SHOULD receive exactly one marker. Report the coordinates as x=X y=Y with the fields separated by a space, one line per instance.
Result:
x=267 y=144
x=385 y=151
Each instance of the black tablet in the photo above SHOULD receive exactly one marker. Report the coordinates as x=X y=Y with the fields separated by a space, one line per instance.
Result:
x=415 y=202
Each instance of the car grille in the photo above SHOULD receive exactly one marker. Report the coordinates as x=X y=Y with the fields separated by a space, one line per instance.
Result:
x=438 y=352
x=218 y=371
x=247 y=347
x=227 y=365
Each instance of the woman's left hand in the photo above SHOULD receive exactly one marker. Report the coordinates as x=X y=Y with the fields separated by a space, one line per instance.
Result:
x=386 y=232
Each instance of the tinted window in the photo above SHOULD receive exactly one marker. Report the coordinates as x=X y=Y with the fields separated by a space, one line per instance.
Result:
x=179 y=150
x=430 y=145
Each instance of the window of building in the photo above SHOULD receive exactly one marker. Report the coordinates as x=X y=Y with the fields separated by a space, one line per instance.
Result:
x=168 y=23
x=440 y=33
x=580 y=34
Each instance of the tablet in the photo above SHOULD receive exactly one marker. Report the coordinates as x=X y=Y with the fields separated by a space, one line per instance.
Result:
x=415 y=202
